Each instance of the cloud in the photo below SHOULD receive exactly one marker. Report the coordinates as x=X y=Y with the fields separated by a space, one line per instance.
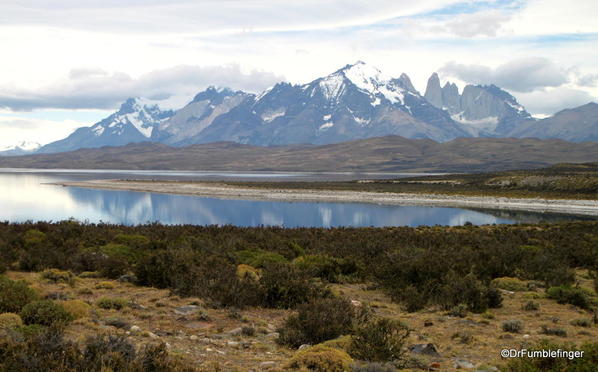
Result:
x=551 y=101
x=521 y=75
x=484 y=23
x=98 y=89
x=16 y=129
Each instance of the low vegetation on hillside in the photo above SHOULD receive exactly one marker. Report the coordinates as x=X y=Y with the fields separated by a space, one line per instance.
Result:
x=206 y=297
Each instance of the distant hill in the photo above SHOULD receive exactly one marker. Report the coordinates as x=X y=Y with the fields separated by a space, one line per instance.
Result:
x=390 y=153
x=576 y=124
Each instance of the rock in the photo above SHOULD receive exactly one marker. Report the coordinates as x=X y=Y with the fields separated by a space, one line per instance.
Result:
x=193 y=337
x=135 y=329
x=304 y=346
x=236 y=331
x=424 y=349
x=462 y=364
x=356 y=303
x=152 y=335
x=186 y=310
x=525 y=336
x=271 y=326
x=272 y=335
x=268 y=365
x=127 y=278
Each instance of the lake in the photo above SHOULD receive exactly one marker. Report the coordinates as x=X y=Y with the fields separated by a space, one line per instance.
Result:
x=25 y=195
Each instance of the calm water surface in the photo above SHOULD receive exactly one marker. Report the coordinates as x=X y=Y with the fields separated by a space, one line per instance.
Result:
x=25 y=196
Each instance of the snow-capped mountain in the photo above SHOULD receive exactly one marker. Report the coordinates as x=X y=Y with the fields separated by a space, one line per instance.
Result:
x=357 y=101
x=482 y=110
x=21 y=148
x=135 y=121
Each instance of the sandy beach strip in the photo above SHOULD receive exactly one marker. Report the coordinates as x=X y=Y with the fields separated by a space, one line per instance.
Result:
x=223 y=191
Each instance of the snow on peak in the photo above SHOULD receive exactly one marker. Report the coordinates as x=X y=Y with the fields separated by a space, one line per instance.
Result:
x=23 y=145
x=365 y=77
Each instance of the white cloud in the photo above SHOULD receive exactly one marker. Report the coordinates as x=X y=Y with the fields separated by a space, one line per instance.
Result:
x=550 y=101
x=483 y=23
x=521 y=75
x=98 y=89
x=16 y=129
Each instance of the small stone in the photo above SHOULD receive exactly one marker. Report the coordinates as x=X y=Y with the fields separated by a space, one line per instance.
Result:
x=525 y=336
x=236 y=331
x=304 y=346
x=272 y=335
x=193 y=337
x=152 y=335
x=356 y=303
x=268 y=365
x=425 y=349
x=462 y=364
x=186 y=310
x=135 y=329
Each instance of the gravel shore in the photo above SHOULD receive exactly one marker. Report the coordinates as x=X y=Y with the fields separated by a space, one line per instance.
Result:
x=214 y=190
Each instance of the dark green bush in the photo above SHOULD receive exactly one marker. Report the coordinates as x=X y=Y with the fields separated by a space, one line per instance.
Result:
x=545 y=330
x=380 y=340
x=46 y=313
x=259 y=258
x=569 y=295
x=285 y=286
x=531 y=306
x=14 y=295
x=317 y=321
x=512 y=326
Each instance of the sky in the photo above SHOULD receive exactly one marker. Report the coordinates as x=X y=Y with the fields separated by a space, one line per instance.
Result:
x=69 y=63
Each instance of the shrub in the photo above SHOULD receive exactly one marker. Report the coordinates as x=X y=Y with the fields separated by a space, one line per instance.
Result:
x=112 y=353
x=413 y=299
x=570 y=295
x=317 y=321
x=380 y=340
x=105 y=285
x=553 y=331
x=467 y=290
x=89 y=274
x=320 y=358
x=110 y=303
x=45 y=312
x=320 y=266
x=14 y=295
x=259 y=258
x=510 y=284
x=512 y=326
x=122 y=252
x=343 y=342
x=58 y=276
x=376 y=367
x=581 y=322
x=285 y=286
x=117 y=323
x=458 y=311
x=10 y=320
x=156 y=358
x=77 y=308
x=531 y=306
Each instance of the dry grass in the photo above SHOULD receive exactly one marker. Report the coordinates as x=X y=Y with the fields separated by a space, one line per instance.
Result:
x=206 y=340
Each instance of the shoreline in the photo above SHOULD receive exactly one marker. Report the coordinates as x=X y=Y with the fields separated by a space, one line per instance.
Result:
x=223 y=191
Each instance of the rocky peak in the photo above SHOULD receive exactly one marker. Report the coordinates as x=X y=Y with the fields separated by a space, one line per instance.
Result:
x=433 y=91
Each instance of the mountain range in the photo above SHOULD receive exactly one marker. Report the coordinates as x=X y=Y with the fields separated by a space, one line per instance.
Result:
x=385 y=154
x=357 y=101
x=21 y=148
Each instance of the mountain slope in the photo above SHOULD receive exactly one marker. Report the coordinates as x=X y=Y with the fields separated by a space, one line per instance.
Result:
x=390 y=153
x=135 y=121
x=576 y=124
